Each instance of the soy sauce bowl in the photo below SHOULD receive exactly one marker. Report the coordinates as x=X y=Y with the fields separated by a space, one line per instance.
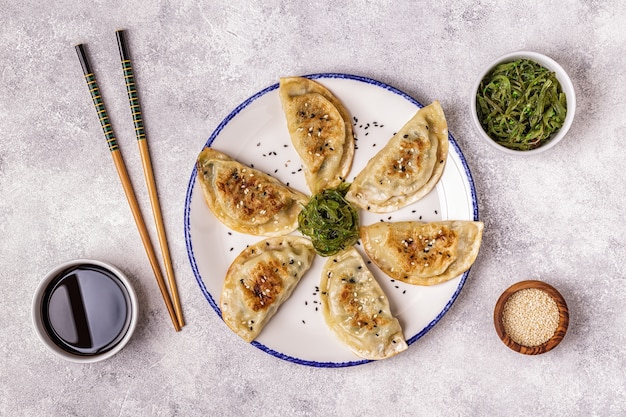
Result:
x=566 y=86
x=85 y=310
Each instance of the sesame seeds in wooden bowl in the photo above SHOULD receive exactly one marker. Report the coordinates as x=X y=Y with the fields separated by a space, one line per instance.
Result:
x=531 y=317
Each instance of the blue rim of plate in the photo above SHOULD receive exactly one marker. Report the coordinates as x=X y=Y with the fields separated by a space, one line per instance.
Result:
x=192 y=181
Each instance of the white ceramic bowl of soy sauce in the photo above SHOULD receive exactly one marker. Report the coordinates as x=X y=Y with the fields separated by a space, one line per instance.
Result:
x=85 y=310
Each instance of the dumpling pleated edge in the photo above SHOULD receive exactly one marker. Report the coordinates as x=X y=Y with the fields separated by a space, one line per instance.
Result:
x=293 y=87
x=469 y=238
x=356 y=308
x=365 y=185
x=260 y=279
x=242 y=216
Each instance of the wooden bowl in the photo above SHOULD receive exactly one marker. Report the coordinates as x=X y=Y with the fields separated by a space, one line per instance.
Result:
x=558 y=334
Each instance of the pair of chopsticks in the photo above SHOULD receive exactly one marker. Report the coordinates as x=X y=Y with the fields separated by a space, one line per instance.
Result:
x=174 y=308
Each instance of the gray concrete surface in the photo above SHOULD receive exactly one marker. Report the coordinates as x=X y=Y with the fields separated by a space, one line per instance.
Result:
x=555 y=216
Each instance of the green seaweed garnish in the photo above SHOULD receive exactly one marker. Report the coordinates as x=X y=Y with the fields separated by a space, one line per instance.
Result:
x=520 y=104
x=330 y=221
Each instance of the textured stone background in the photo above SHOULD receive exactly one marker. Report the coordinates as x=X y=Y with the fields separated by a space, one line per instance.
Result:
x=556 y=216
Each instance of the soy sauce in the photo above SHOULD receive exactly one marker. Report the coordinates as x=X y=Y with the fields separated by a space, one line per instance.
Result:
x=86 y=310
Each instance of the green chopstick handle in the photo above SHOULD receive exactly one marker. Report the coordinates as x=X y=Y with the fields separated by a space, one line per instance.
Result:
x=96 y=96
x=131 y=88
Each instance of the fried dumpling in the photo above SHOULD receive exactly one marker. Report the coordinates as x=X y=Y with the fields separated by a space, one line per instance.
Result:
x=423 y=253
x=356 y=309
x=320 y=130
x=245 y=199
x=260 y=279
x=408 y=167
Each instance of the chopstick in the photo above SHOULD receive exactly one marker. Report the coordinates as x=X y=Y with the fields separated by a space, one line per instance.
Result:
x=98 y=103
x=142 y=142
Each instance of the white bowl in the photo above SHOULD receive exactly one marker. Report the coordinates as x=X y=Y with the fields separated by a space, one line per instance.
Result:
x=566 y=86
x=95 y=298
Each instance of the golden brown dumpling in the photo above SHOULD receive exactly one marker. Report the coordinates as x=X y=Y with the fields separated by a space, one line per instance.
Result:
x=245 y=199
x=423 y=253
x=260 y=279
x=408 y=167
x=320 y=130
x=356 y=309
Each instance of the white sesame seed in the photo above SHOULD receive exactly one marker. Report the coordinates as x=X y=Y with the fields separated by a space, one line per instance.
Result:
x=530 y=317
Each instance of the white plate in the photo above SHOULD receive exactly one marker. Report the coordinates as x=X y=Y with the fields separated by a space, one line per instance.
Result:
x=255 y=133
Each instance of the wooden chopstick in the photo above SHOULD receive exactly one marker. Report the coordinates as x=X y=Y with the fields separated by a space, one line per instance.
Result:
x=98 y=103
x=142 y=142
